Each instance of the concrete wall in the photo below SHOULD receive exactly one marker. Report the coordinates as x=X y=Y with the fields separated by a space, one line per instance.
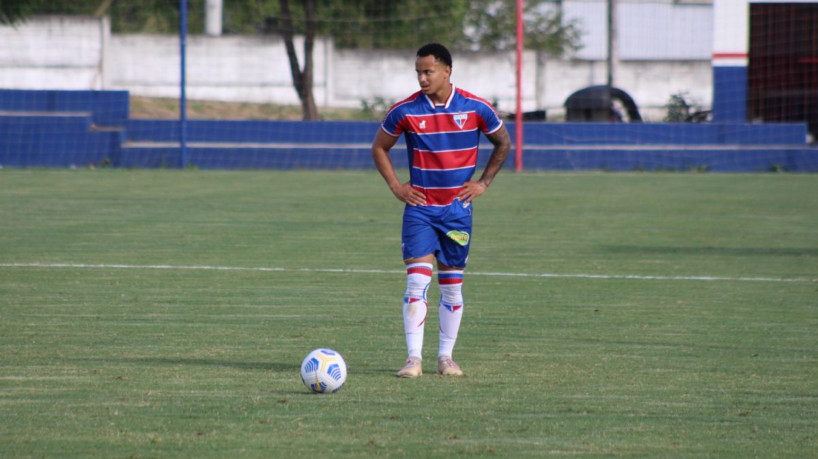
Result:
x=81 y=53
x=252 y=69
x=53 y=52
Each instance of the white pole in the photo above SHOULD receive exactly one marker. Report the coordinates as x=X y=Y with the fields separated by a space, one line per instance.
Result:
x=213 y=18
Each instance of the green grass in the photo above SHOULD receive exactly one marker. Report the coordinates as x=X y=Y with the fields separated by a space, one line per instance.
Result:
x=105 y=353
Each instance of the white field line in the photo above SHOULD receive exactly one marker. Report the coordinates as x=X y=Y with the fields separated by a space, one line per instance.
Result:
x=386 y=271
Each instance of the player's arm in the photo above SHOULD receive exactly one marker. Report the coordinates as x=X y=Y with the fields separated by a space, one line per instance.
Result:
x=380 y=155
x=502 y=146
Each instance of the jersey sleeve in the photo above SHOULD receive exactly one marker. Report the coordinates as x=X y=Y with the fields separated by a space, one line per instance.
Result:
x=491 y=121
x=393 y=122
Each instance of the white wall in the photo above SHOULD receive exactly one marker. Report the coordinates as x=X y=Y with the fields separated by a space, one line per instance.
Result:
x=80 y=53
x=53 y=51
x=252 y=69
x=730 y=38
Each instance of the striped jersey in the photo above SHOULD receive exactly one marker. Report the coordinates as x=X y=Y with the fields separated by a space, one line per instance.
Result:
x=441 y=140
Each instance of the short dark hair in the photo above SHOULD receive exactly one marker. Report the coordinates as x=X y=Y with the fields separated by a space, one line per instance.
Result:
x=438 y=51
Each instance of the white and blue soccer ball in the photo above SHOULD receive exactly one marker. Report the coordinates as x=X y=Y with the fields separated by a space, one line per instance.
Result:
x=323 y=371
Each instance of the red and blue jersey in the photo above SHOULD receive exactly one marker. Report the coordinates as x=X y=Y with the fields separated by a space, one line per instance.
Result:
x=441 y=140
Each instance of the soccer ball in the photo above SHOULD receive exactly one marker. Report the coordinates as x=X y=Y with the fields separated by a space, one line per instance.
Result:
x=323 y=371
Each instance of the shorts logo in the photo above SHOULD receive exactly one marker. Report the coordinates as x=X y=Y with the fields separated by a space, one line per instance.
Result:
x=460 y=119
x=460 y=237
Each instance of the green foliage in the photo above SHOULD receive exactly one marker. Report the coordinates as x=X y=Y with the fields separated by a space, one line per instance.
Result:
x=12 y=11
x=154 y=16
x=474 y=25
x=368 y=24
x=678 y=109
x=392 y=24
x=491 y=26
x=376 y=108
x=681 y=109
x=146 y=16
x=157 y=361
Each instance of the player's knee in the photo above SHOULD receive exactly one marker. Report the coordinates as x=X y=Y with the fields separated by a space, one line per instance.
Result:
x=451 y=287
x=418 y=278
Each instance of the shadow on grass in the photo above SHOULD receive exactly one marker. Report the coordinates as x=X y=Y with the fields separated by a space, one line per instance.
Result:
x=177 y=361
x=716 y=251
x=277 y=367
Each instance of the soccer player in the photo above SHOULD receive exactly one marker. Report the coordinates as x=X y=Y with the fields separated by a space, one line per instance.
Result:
x=441 y=125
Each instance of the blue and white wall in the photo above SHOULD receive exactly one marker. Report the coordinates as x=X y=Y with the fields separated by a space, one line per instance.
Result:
x=664 y=49
x=731 y=43
x=730 y=46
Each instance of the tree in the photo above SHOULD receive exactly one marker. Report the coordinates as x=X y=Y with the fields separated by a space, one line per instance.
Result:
x=367 y=19
x=490 y=26
x=13 y=11
x=393 y=24
x=490 y=23
x=302 y=78
x=475 y=25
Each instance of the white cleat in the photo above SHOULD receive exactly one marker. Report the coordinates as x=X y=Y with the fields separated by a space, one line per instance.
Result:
x=447 y=367
x=413 y=368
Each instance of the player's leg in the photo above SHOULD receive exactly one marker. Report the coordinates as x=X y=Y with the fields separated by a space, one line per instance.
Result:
x=450 y=310
x=415 y=305
x=419 y=242
x=415 y=310
x=452 y=260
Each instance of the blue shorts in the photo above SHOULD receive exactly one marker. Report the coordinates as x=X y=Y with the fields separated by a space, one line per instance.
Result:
x=442 y=231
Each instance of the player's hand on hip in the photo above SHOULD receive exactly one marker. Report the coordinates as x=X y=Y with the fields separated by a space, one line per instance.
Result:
x=405 y=193
x=471 y=190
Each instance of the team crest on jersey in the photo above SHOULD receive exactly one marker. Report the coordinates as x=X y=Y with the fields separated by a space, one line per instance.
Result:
x=460 y=119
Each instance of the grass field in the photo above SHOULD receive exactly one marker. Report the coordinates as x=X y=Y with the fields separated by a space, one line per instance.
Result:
x=165 y=314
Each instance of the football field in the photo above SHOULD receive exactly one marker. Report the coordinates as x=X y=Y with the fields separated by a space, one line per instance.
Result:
x=165 y=313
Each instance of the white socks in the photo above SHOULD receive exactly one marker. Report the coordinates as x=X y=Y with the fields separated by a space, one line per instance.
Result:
x=450 y=309
x=415 y=307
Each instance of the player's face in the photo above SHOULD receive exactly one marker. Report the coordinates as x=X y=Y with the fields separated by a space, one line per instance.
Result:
x=433 y=78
